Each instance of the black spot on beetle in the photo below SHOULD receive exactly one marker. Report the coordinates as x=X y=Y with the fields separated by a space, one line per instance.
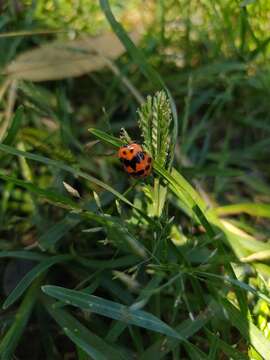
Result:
x=139 y=173
x=134 y=161
x=149 y=160
x=147 y=167
x=126 y=162
x=124 y=152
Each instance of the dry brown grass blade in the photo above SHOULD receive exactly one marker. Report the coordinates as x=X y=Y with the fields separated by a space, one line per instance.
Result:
x=59 y=60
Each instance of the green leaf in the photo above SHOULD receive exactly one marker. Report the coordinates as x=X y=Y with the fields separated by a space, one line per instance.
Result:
x=15 y=126
x=133 y=51
x=229 y=350
x=237 y=283
x=23 y=254
x=39 y=269
x=57 y=231
x=110 y=309
x=89 y=342
x=260 y=210
x=106 y=138
x=119 y=234
x=186 y=329
x=194 y=352
x=247 y=329
x=49 y=195
x=123 y=261
x=12 y=337
x=117 y=230
x=257 y=256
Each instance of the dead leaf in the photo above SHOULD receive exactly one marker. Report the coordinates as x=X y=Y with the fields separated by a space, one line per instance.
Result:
x=71 y=190
x=60 y=60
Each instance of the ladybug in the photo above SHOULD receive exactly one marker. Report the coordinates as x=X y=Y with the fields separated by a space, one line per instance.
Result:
x=135 y=160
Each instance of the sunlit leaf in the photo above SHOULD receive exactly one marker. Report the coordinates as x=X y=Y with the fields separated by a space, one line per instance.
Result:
x=260 y=210
x=247 y=329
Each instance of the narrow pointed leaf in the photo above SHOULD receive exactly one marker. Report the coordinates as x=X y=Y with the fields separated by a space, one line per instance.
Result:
x=89 y=342
x=247 y=329
x=110 y=309
x=14 y=127
x=31 y=276
x=12 y=337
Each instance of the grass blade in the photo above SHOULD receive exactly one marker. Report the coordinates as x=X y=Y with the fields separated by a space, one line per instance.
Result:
x=15 y=126
x=133 y=51
x=110 y=309
x=57 y=231
x=247 y=329
x=227 y=349
x=260 y=210
x=23 y=254
x=53 y=197
x=257 y=256
x=186 y=329
x=89 y=342
x=13 y=335
x=31 y=276
x=106 y=138
x=236 y=283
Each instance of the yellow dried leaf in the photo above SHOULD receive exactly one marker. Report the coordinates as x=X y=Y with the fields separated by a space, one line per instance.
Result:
x=71 y=190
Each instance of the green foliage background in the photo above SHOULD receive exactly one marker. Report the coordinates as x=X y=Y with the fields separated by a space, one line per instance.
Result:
x=96 y=265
